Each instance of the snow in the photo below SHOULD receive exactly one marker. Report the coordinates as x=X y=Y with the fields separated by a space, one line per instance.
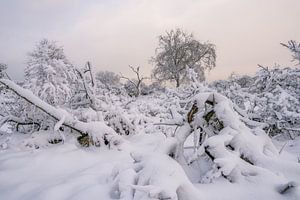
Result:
x=148 y=148
x=66 y=171
x=59 y=123
x=63 y=172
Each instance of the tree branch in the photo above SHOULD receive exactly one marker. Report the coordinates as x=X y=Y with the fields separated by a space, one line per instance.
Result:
x=56 y=113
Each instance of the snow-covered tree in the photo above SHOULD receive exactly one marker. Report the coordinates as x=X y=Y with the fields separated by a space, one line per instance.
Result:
x=108 y=79
x=244 y=81
x=48 y=73
x=178 y=50
x=294 y=47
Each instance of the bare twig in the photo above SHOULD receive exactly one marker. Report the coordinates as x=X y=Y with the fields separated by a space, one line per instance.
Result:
x=167 y=124
x=282 y=147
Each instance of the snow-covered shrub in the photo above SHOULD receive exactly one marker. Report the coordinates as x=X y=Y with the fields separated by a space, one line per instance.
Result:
x=131 y=88
x=271 y=96
x=278 y=102
x=155 y=87
x=243 y=81
x=109 y=79
x=119 y=122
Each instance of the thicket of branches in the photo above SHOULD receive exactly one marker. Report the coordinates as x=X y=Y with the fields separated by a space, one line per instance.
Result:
x=270 y=97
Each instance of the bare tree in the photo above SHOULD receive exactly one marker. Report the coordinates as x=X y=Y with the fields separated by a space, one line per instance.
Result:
x=179 y=50
x=136 y=83
x=294 y=47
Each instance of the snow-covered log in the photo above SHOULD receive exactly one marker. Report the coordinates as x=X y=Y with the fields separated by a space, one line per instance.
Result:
x=98 y=133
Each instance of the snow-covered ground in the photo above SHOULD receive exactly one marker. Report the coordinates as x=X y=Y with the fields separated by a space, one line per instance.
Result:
x=170 y=145
x=67 y=171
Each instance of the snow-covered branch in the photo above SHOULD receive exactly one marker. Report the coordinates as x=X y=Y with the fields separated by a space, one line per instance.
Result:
x=99 y=132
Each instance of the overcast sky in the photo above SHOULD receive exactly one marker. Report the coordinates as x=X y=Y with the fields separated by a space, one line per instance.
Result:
x=113 y=34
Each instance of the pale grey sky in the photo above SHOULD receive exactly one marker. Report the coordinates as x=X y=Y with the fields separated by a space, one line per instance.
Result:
x=113 y=34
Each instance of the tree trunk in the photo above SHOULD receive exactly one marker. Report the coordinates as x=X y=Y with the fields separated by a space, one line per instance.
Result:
x=177 y=82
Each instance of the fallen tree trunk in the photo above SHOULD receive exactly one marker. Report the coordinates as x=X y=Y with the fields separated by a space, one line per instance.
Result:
x=99 y=132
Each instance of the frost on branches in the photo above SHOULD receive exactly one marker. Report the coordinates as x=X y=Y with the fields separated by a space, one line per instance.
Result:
x=294 y=47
